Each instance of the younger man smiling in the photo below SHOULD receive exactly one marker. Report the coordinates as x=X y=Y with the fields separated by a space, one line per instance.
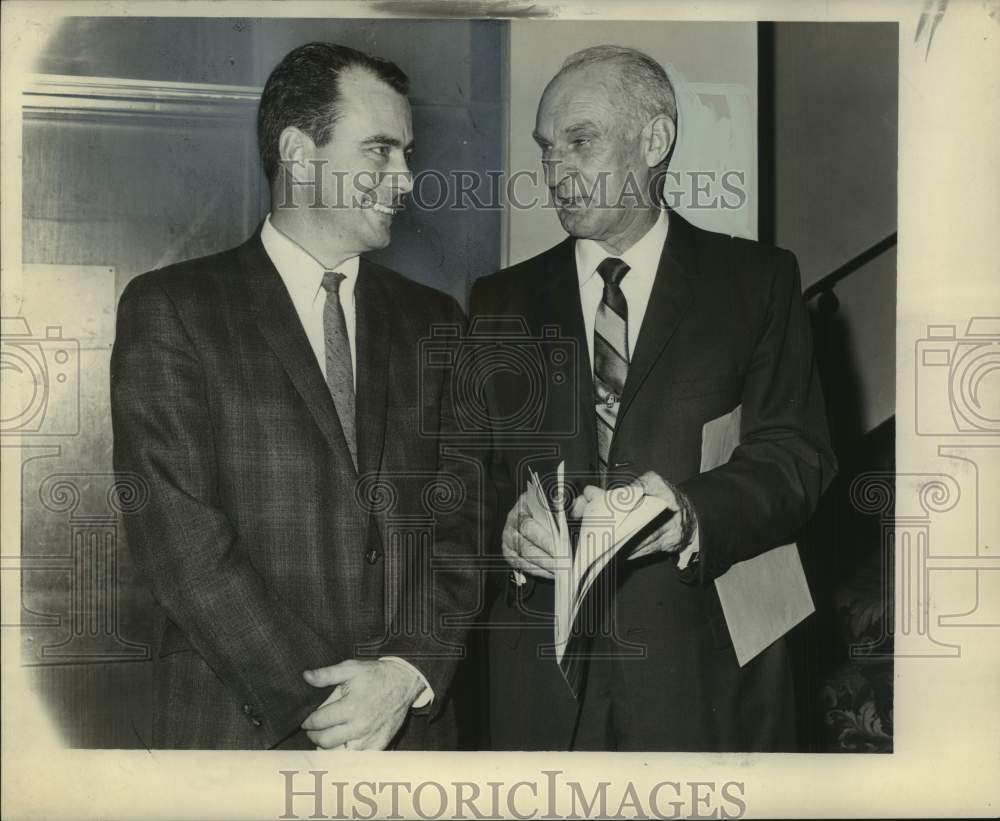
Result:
x=253 y=390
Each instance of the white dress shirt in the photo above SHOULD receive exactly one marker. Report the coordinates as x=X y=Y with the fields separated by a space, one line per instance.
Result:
x=643 y=259
x=303 y=274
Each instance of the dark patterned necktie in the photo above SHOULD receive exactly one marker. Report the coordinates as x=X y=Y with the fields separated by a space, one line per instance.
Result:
x=339 y=370
x=611 y=355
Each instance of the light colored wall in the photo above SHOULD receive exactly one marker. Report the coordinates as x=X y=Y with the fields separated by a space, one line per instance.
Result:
x=717 y=109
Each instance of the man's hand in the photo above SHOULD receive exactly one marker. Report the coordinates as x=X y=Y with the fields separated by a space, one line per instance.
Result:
x=678 y=531
x=366 y=709
x=527 y=545
x=673 y=536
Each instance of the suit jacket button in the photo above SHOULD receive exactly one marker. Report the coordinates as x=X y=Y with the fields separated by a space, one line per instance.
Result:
x=247 y=709
x=371 y=556
x=255 y=721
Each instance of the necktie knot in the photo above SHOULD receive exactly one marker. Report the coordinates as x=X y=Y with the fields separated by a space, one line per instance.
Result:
x=331 y=282
x=613 y=270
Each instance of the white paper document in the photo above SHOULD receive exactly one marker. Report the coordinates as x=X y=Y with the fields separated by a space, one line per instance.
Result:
x=764 y=597
x=610 y=524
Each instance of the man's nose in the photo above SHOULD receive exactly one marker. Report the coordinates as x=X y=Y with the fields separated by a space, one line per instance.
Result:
x=400 y=177
x=557 y=171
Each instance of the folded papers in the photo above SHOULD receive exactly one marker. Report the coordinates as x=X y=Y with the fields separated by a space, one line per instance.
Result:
x=762 y=598
x=614 y=521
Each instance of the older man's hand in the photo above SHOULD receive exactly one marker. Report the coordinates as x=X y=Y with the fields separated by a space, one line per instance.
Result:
x=673 y=536
x=527 y=544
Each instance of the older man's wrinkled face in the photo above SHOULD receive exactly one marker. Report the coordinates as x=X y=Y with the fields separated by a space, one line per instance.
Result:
x=594 y=166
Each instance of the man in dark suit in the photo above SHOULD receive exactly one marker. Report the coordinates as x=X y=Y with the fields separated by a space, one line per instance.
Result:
x=675 y=327
x=269 y=397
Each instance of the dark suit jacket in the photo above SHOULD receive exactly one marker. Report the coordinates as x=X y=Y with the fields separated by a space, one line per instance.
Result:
x=725 y=325
x=267 y=554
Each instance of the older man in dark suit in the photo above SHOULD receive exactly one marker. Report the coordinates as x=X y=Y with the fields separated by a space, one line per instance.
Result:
x=675 y=327
x=262 y=393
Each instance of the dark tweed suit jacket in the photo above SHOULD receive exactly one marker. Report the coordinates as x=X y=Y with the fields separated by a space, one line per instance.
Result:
x=266 y=553
x=725 y=326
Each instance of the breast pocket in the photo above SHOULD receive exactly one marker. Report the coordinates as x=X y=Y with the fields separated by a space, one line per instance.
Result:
x=693 y=404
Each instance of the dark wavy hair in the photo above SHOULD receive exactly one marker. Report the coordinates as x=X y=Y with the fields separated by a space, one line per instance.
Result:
x=304 y=91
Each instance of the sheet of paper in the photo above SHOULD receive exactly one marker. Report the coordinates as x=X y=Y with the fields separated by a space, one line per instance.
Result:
x=766 y=596
x=610 y=525
x=763 y=598
x=719 y=439
x=564 y=562
x=608 y=528
x=538 y=505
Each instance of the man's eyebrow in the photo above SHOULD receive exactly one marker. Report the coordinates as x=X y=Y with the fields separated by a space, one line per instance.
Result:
x=386 y=139
x=583 y=125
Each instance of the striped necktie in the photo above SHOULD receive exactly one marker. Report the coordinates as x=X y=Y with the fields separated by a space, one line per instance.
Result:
x=339 y=370
x=611 y=355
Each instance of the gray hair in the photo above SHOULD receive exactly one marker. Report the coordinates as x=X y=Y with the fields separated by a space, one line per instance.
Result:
x=643 y=87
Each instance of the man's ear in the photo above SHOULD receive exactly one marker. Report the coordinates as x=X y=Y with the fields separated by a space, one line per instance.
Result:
x=294 y=148
x=657 y=139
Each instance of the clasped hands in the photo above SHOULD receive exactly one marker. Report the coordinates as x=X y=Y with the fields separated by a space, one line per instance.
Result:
x=367 y=707
x=528 y=547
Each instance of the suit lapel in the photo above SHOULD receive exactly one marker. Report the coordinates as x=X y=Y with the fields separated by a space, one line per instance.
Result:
x=373 y=335
x=672 y=294
x=560 y=306
x=280 y=325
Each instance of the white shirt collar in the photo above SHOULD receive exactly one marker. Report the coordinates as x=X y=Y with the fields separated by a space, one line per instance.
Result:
x=300 y=271
x=643 y=257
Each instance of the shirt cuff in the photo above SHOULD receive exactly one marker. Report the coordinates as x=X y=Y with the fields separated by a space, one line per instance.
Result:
x=689 y=553
x=426 y=695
